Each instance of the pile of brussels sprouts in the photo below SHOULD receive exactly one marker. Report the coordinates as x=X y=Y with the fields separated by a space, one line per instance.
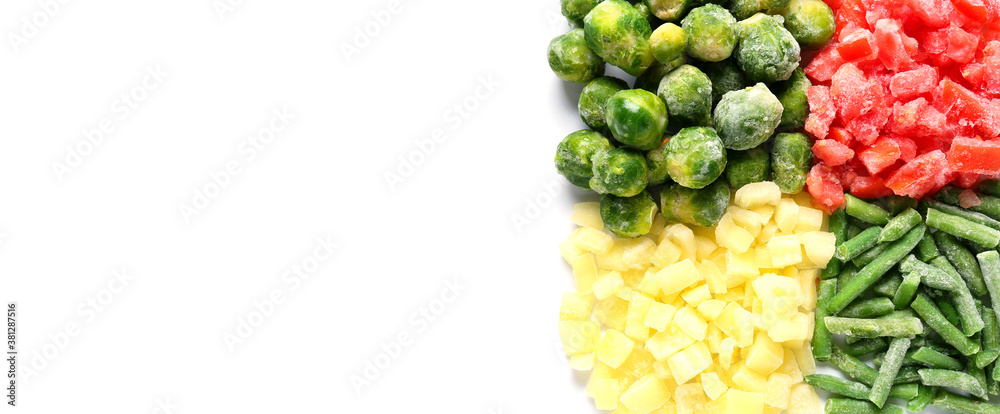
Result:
x=715 y=102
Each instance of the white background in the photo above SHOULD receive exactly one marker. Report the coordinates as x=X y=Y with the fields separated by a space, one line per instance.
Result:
x=159 y=341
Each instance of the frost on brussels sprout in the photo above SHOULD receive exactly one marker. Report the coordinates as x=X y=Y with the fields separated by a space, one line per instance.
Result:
x=576 y=10
x=791 y=159
x=811 y=22
x=650 y=80
x=726 y=76
x=792 y=95
x=574 y=156
x=628 y=216
x=668 y=42
x=744 y=9
x=656 y=165
x=746 y=167
x=711 y=33
x=773 y=6
x=695 y=157
x=619 y=171
x=594 y=100
x=644 y=10
x=703 y=207
x=619 y=34
x=572 y=60
x=687 y=92
x=637 y=118
x=670 y=10
x=767 y=52
x=746 y=118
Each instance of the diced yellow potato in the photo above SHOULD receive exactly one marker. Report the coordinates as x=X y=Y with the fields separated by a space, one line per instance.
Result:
x=763 y=257
x=807 y=285
x=683 y=237
x=633 y=277
x=576 y=306
x=666 y=254
x=690 y=362
x=649 y=284
x=587 y=214
x=645 y=395
x=754 y=195
x=612 y=312
x=635 y=326
x=704 y=247
x=747 y=219
x=678 y=276
x=606 y=393
x=727 y=349
x=784 y=250
x=593 y=240
x=696 y=295
x=665 y=344
x=639 y=251
x=603 y=371
x=748 y=380
x=795 y=328
x=786 y=215
x=765 y=212
x=662 y=370
x=749 y=294
x=726 y=321
x=710 y=309
x=657 y=228
x=614 y=258
x=714 y=387
x=579 y=337
x=734 y=294
x=765 y=355
x=670 y=407
x=790 y=367
x=582 y=362
x=713 y=338
x=806 y=263
x=688 y=320
x=585 y=271
x=769 y=230
x=713 y=276
x=615 y=347
x=733 y=237
x=810 y=219
x=690 y=399
x=639 y=362
x=570 y=250
x=742 y=402
x=804 y=356
x=743 y=327
x=626 y=293
x=607 y=285
x=819 y=246
x=803 y=400
x=778 y=389
x=743 y=265
x=659 y=316
x=802 y=198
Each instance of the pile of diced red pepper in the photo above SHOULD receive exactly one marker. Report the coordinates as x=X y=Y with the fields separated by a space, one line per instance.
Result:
x=906 y=98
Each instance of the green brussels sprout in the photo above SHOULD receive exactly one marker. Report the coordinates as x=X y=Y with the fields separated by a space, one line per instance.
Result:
x=643 y=9
x=704 y=207
x=575 y=154
x=750 y=166
x=744 y=9
x=711 y=33
x=746 y=118
x=650 y=80
x=767 y=52
x=576 y=10
x=811 y=22
x=773 y=6
x=668 y=42
x=628 y=216
x=792 y=95
x=687 y=92
x=791 y=159
x=656 y=164
x=594 y=100
x=637 y=118
x=695 y=157
x=572 y=60
x=670 y=10
x=726 y=76
x=619 y=34
x=619 y=171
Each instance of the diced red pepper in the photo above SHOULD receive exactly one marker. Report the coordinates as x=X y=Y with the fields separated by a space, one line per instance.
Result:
x=889 y=41
x=822 y=111
x=825 y=188
x=869 y=187
x=961 y=45
x=921 y=176
x=858 y=46
x=905 y=85
x=975 y=156
x=841 y=135
x=883 y=153
x=832 y=152
x=974 y=9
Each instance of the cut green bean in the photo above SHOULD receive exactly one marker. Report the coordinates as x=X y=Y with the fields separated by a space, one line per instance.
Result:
x=853 y=367
x=864 y=258
x=864 y=211
x=990 y=186
x=837 y=385
x=960 y=404
x=887 y=372
x=948 y=310
x=963 y=213
x=847 y=274
x=933 y=317
x=868 y=308
x=952 y=379
x=850 y=406
x=899 y=225
x=989 y=263
x=963 y=260
x=924 y=397
x=965 y=304
x=991 y=340
x=906 y=291
x=992 y=385
x=897 y=204
x=822 y=342
x=907 y=375
x=876 y=269
x=904 y=391
x=988 y=205
x=866 y=346
x=980 y=375
x=859 y=244
x=935 y=359
x=887 y=286
x=871 y=328
x=853 y=229
x=962 y=228
x=927 y=250
x=838 y=226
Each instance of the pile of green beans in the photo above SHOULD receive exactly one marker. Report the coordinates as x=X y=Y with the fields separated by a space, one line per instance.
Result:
x=913 y=288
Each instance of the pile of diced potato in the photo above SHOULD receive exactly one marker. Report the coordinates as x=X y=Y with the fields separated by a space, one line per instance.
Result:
x=699 y=320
